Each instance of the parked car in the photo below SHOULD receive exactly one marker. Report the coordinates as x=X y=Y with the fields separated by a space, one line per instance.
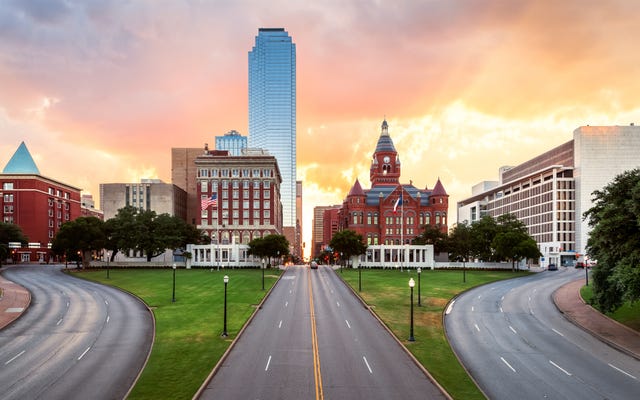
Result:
x=580 y=264
x=552 y=267
x=314 y=265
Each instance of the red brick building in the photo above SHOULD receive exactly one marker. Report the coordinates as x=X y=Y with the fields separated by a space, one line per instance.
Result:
x=39 y=205
x=391 y=212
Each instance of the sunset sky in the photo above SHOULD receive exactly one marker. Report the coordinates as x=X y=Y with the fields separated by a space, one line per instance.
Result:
x=101 y=90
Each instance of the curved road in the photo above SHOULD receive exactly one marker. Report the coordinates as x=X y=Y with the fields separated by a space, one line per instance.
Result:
x=77 y=340
x=313 y=339
x=516 y=344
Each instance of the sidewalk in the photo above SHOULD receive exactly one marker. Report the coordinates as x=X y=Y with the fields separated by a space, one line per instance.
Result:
x=14 y=301
x=567 y=299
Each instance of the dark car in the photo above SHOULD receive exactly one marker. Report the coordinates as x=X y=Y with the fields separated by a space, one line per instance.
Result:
x=314 y=265
x=580 y=264
x=552 y=267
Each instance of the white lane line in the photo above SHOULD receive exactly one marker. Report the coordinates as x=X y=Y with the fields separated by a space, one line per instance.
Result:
x=501 y=309
x=290 y=291
x=16 y=356
x=331 y=291
x=476 y=325
x=557 y=332
x=529 y=298
x=513 y=330
x=534 y=290
x=479 y=296
x=286 y=303
x=106 y=302
x=59 y=322
x=449 y=308
x=338 y=303
x=108 y=318
x=67 y=304
x=347 y=323
x=624 y=372
x=502 y=298
x=85 y=352
x=368 y=367
x=560 y=368
x=268 y=362
x=472 y=308
x=507 y=364
x=280 y=324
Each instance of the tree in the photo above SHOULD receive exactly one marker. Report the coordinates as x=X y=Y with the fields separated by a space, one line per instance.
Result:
x=120 y=231
x=269 y=246
x=512 y=241
x=482 y=235
x=10 y=233
x=432 y=235
x=349 y=243
x=461 y=245
x=77 y=239
x=614 y=241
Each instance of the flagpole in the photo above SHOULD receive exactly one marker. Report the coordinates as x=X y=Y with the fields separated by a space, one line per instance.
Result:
x=218 y=233
x=401 y=229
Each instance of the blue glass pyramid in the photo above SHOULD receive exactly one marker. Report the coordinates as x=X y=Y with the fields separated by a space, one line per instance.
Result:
x=21 y=162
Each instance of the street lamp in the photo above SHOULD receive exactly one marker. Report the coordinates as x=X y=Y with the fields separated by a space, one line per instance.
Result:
x=173 y=298
x=108 y=257
x=359 y=278
x=262 y=268
x=224 y=329
x=412 y=283
x=419 y=272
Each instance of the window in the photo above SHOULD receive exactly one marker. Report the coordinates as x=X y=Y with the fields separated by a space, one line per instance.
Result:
x=225 y=205
x=266 y=172
x=235 y=204
x=245 y=194
x=50 y=189
x=235 y=214
x=235 y=172
x=256 y=173
x=8 y=198
x=225 y=194
x=8 y=219
x=256 y=184
x=245 y=204
x=245 y=173
x=8 y=209
x=204 y=214
x=266 y=184
x=203 y=172
x=225 y=184
x=256 y=215
x=236 y=194
x=266 y=194
x=267 y=213
x=245 y=214
x=245 y=184
x=204 y=187
x=256 y=204
x=224 y=173
x=256 y=194
x=236 y=184
x=368 y=218
x=267 y=204
x=9 y=186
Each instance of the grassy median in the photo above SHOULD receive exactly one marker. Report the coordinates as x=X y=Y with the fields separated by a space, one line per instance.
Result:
x=188 y=343
x=388 y=294
x=628 y=314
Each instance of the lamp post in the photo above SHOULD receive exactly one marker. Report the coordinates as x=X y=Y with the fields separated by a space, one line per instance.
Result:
x=419 y=272
x=262 y=267
x=412 y=283
x=224 y=329
x=359 y=278
x=586 y=274
x=173 y=297
x=108 y=257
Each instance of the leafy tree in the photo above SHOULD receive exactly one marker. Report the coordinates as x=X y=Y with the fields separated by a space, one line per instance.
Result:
x=121 y=231
x=10 y=233
x=615 y=241
x=81 y=236
x=512 y=241
x=483 y=233
x=434 y=236
x=269 y=246
x=349 y=243
x=461 y=245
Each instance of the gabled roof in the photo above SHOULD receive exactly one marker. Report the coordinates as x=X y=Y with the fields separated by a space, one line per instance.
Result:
x=21 y=162
x=356 y=190
x=438 y=190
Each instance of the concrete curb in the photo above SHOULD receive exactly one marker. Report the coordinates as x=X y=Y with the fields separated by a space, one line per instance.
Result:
x=15 y=301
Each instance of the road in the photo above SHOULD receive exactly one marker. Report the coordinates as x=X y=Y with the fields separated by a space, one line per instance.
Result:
x=77 y=340
x=313 y=339
x=516 y=344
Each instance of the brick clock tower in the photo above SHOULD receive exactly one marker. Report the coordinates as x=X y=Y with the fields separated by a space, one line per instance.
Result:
x=391 y=212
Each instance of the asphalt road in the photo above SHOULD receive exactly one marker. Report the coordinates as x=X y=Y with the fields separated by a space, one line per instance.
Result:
x=313 y=339
x=516 y=344
x=77 y=340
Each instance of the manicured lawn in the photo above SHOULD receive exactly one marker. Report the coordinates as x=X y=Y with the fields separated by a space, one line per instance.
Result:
x=628 y=314
x=188 y=343
x=388 y=293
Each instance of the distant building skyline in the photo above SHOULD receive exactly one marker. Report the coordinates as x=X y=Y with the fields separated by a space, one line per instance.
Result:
x=232 y=141
x=272 y=109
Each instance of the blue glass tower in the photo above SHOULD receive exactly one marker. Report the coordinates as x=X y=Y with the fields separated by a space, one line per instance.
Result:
x=233 y=142
x=272 y=108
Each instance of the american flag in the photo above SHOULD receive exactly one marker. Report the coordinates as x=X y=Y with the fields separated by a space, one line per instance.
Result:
x=209 y=201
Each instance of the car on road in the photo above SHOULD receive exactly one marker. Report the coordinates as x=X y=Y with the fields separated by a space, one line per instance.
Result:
x=313 y=265
x=580 y=264
x=552 y=267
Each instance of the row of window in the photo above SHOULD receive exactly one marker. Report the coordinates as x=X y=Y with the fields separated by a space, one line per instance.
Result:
x=235 y=173
x=245 y=194
x=204 y=185
x=424 y=218
x=236 y=219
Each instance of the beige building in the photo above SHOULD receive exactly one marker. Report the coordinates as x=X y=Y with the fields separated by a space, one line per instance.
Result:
x=149 y=194
x=551 y=192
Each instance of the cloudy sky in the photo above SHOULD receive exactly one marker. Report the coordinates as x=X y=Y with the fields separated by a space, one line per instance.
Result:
x=101 y=90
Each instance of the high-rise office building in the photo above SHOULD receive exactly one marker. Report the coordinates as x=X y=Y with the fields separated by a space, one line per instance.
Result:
x=272 y=109
x=233 y=142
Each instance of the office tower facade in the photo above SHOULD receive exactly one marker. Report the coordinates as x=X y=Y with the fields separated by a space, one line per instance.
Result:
x=272 y=109
x=148 y=195
x=233 y=142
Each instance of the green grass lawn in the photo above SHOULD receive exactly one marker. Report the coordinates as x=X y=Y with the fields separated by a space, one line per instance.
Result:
x=628 y=314
x=188 y=343
x=388 y=293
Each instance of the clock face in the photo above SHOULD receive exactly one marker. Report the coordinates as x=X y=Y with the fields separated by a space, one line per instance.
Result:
x=386 y=159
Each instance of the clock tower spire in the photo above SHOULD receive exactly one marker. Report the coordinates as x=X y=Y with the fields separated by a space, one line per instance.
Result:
x=385 y=165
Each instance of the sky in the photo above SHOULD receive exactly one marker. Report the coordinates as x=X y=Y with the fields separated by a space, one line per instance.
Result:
x=101 y=90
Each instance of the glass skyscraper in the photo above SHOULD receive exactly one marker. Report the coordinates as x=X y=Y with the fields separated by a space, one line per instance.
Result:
x=272 y=108
x=233 y=142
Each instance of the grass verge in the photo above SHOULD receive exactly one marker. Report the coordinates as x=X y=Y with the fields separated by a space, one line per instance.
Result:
x=388 y=294
x=628 y=314
x=188 y=343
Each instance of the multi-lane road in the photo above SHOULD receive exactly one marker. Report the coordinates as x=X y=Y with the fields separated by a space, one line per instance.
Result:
x=516 y=344
x=77 y=340
x=313 y=339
